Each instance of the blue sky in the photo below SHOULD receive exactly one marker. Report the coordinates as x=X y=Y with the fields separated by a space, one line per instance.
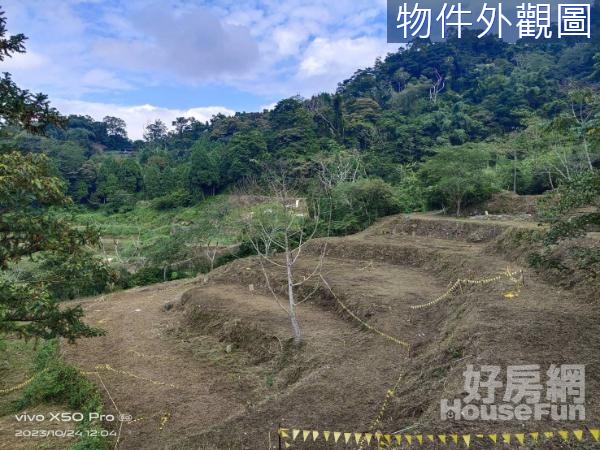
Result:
x=142 y=60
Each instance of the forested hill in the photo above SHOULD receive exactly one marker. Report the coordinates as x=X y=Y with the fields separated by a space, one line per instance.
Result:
x=501 y=116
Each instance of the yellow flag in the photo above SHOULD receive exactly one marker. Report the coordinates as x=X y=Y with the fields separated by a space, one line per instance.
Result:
x=520 y=437
x=534 y=436
x=494 y=437
x=419 y=438
x=506 y=437
x=431 y=437
x=357 y=437
x=398 y=438
x=595 y=433
x=305 y=434
x=283 y=432
x=326 y=435
x=378 y=435
x=548 y=434
x=336 y=436
x=295 y=434
x=315 y=435
x=454 y=438
x=347 y=436
x=578 y=434
x=467 y=439
x=408 y=438
x=442 y=437
x=564 y=434
x=368 y=437
x=388 y=438
x=288 y=445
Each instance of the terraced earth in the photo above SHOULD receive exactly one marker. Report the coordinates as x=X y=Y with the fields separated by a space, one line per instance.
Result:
x=209 y=364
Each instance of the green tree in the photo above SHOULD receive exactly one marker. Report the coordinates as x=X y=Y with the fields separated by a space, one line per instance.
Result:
x=243 y=155
x=28 y=188
x=355 y=205
x=155 y=131
x=116 y=134
x=115 y=126
x=130 y=176
x=182 y=125
x=107 y=182
x=19 y=106
x=457 y=176
x=204 y=170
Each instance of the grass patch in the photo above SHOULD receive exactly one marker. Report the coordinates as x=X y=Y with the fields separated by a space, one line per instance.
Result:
x=147 y=223
x=60 y=383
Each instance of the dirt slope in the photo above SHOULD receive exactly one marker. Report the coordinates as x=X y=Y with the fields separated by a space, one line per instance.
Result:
x=166 y=390
x=225 y=346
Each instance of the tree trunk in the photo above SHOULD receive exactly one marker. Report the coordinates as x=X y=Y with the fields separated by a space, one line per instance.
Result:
x=515 y=171
x=292 y=302
x=587 y=153
x=458 y=202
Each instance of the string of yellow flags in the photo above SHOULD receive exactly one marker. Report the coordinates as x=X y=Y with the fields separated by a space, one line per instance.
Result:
x=393 y=339
x=300 y=435
x=23 y=384
x=377 y=421
x=508 y=274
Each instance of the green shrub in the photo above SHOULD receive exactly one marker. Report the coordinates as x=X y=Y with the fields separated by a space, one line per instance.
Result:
x=356 y=205
x=574 y=208
x=120 y=202
x=409 y=190
x=146 y=276
x=173 y=200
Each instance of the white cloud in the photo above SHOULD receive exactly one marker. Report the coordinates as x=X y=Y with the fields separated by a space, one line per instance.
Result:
x=193 y=44
x=268 y=107
x=25 y=61
x=100 y=78
x=288 y=40
x=138 y=116
x=340 y=57
x=270 y=48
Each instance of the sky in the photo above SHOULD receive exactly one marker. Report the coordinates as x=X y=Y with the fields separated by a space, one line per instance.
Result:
x=143 y=60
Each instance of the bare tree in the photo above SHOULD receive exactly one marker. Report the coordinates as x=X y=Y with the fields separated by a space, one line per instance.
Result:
x=210 y=251
x=583 y=107
x=279 y=233
x=437 y=86
x=343 y=166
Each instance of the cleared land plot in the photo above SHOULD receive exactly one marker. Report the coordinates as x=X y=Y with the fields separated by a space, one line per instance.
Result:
x=226 y=346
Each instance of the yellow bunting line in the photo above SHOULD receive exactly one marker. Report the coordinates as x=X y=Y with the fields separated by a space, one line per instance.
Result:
x=460 y=282
x=352 y=437
x=109 y=368
x=375 y=426
x=362 y=322
x=23 y=384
